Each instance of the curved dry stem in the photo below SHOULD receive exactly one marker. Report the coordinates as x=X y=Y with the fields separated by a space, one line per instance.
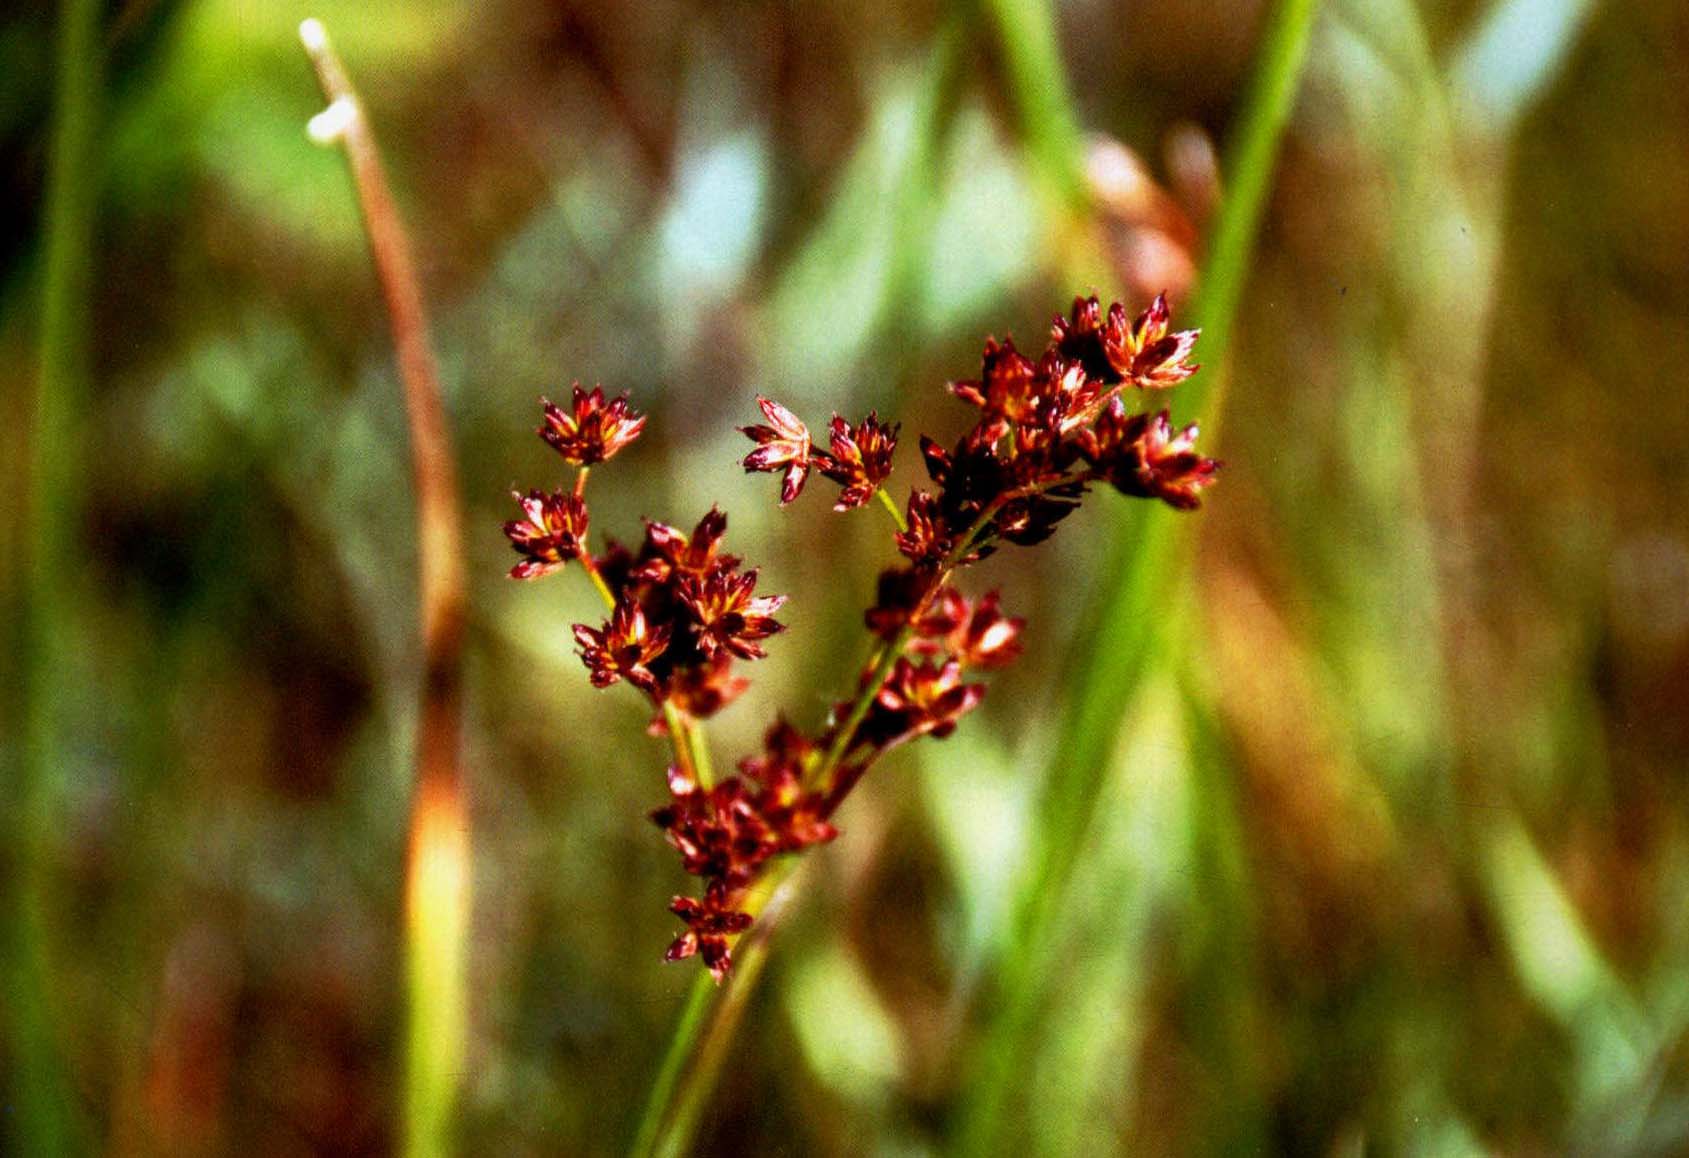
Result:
x=437 y=859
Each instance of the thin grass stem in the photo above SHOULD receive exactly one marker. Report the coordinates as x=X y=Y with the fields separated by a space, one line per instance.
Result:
x=42 y=1115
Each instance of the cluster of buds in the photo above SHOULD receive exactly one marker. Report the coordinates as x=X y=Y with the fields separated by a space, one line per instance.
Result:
x=682 y=612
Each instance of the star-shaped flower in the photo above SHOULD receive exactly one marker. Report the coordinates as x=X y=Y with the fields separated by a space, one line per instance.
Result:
x=591 y=430
x=729 y=617
x=782 y=445
x=623 y=648
x=1143 y=456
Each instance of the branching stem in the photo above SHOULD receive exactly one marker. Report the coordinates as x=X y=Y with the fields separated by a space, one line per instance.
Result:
x=890 y=505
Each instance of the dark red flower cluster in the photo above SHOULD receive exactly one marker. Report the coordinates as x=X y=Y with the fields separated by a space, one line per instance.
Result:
x=683 y=612
x=1110 y=350
x=726 y=833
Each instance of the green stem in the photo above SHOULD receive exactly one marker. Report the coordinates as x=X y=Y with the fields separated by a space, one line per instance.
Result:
x=43 y=1117
x=701 y=762
x=1132 y=634
x=681 y=738
x=707 y=1025
x=890 y=505
x=747 y=969
x=686 y=1032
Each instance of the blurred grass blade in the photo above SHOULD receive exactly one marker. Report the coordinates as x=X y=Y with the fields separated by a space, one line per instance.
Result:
x=1518 y=47
x=41 y=1110
x=1038 y=81
x=1091 y=1041
x=1130 y=617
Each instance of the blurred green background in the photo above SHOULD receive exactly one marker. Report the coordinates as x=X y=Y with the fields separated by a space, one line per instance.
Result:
x=1391 y=855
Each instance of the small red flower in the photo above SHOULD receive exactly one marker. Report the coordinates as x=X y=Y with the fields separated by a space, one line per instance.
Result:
x=1142 y=353
x=899 y=592
x=786 y=752
x=708 y=927
x=1007 y=389
x=719 y=832
x=591 y=430
x=1147 y=355
x=860 y=460
x=783 y=445
x=928 y=539
x=729 y=618
x=990 y=639
x=976 y=636
x=922 y=699
x=549 y=534
x=623 y=648
x=669 y=553
x=701 y=690
x=1144 y=457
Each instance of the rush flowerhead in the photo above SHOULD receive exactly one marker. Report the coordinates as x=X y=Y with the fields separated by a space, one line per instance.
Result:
x=860 y=459
x=1142 y=353
x=623 y=648
x=672 y=554
x=1142 y=456
x=685 y=616
x=549 y=533
x=591 y=430
x=709 y=923
x=922 y=698
x=729 y=617
x=977 y=635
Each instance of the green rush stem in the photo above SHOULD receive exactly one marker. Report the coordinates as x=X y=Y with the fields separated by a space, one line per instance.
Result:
x=891 y=506
x=683 y=747
x=584 y=557
x=702 y=766
x=1133 y=635
x=698 y=1005
x=707 y=1025
x=42 y=1117
x=712 y=1051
